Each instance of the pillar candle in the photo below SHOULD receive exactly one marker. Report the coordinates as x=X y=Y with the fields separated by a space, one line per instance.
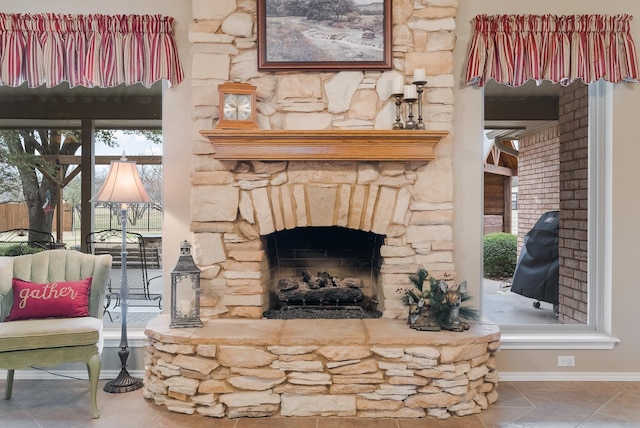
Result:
x=397 y=84
x=410 y=92
x=184 y=307
x=418 y=75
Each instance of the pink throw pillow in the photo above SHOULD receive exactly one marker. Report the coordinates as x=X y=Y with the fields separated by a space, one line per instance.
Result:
x=55 y=300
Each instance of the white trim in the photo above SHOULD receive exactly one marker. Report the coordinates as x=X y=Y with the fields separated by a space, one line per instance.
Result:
x=569 y=376
x=135 y=338
x=601 y=161
x=547 y=340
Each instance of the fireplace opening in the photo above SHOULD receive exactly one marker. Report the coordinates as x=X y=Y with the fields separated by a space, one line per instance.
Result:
x=323 y=272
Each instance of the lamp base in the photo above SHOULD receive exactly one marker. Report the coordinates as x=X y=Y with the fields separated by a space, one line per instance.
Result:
x=123 y=383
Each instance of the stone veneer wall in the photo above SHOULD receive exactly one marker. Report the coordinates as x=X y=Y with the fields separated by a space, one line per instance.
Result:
x=372 y=368
x=235 y=203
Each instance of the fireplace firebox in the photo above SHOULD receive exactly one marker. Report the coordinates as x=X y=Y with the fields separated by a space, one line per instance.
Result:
x=323 y=272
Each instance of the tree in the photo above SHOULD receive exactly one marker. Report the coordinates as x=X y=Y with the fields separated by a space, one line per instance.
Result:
x=9 y=192
x=292 y=8
x=329 y=10
x=316 y=10
x=151 y=177
x=25 y=150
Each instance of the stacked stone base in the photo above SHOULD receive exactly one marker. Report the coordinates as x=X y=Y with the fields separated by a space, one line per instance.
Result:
x=359 y=368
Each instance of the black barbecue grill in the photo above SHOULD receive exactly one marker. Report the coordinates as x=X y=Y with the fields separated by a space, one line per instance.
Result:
x=537 y=272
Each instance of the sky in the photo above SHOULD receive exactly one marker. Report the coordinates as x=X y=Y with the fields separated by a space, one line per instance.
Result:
x=131 y=144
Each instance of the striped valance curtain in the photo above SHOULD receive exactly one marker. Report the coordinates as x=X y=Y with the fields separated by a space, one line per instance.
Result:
x=512 y=49
x=87 y=50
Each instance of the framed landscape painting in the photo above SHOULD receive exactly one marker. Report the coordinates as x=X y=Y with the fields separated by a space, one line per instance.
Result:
x=324 y=35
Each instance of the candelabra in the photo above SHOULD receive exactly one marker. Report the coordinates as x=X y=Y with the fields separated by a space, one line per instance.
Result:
x=420 y=89
x=410 y=95
x=411 y=124
x=398 y=123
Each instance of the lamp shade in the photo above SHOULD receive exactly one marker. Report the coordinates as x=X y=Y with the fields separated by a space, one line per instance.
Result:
x=123 y=185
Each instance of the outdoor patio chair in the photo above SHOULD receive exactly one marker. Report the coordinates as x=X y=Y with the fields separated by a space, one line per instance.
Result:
x=14 y=242
x=139 y=261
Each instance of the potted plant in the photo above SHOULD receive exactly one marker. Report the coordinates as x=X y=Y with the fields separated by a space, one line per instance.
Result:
x=435 y=305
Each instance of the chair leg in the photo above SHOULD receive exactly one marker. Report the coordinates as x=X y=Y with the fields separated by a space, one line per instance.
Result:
x=93 y=367
x=9 y=385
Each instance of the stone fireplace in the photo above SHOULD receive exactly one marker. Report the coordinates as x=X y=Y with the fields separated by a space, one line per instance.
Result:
x=325 y=161
x=270 y=203
x=325 y=156
x=330 y=186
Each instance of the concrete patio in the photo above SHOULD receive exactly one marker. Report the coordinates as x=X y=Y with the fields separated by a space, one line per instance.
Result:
x=501 y=306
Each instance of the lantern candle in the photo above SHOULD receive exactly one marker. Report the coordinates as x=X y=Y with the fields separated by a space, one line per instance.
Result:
x=185 y=290
x=410 y=92
x=184 y=307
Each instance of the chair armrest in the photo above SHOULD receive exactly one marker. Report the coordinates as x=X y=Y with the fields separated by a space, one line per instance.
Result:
x=148 y=284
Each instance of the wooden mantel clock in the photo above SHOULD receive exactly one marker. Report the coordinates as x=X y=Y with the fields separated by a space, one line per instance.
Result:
x=237 y=106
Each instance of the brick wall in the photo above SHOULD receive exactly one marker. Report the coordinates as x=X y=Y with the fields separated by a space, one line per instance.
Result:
x=574 y=120
x=538 y=177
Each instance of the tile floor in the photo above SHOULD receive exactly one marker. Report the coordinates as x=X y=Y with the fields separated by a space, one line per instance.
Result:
x=65 y=404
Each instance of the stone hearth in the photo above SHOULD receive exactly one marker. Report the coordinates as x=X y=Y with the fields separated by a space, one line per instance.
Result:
x=363 y=368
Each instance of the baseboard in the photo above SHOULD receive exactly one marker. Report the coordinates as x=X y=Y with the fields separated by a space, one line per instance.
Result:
x=51 y=374
x=34 y=374
x=135 y=338
x=569 y=376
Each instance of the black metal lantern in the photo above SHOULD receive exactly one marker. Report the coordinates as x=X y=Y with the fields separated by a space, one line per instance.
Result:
x=185 y=290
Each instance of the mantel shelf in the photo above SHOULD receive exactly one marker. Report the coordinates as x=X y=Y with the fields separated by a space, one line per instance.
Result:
x=373 y=145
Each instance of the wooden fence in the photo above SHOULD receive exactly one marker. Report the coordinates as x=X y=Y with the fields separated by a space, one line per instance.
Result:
x=15 y=215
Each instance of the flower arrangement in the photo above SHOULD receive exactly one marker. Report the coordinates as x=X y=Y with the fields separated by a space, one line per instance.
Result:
x=438 y=303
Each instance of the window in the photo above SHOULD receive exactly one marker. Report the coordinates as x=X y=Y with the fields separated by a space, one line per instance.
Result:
x=584 y=286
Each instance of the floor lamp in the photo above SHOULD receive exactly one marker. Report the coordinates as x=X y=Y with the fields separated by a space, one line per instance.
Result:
x=123 y=186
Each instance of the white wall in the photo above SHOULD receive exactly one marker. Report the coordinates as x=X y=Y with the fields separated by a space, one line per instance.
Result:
x=626 y=204
x=467 y=162
x=176 y=122
x=176 y=125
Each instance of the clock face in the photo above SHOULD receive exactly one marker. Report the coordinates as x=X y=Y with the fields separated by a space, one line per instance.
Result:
x=237 y=107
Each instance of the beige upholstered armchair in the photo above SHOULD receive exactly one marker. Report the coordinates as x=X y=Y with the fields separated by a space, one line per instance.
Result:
x=53 y=317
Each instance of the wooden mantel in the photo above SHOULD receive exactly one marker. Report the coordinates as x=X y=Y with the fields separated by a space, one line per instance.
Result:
x=374 y=145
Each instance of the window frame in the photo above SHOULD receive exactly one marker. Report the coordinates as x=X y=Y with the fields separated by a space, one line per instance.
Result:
x=596 y=334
